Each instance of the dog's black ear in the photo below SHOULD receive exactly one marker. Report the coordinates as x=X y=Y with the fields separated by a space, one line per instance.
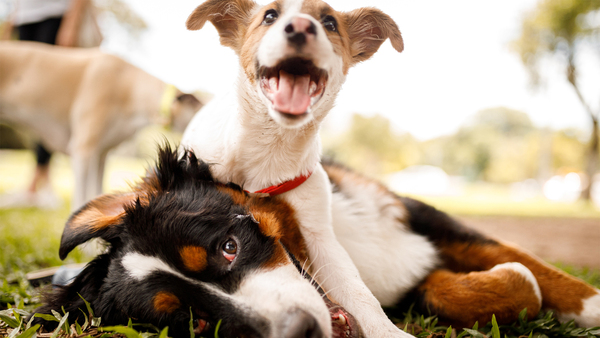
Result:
x=101 y=217
x=228 y=16
x=368 y=28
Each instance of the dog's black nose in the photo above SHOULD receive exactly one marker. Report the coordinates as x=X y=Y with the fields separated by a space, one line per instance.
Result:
x=298 y=39
x=298 y=30
x=301 y=324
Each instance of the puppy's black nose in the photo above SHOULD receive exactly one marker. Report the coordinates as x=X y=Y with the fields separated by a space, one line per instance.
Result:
x=299 y=30
x=301 y=324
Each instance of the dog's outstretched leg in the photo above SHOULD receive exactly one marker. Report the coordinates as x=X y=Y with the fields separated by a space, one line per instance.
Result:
x=466 y=298
x=464 y=250
x=568 y=296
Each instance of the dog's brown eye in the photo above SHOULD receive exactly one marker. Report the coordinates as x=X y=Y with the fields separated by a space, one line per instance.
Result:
x=330 y=23
x=270 y=16
x=230 y=250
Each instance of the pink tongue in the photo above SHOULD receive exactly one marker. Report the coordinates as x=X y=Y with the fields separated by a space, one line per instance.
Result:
x=292 y=95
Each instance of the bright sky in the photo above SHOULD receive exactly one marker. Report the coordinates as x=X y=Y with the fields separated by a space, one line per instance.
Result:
x=457 y=61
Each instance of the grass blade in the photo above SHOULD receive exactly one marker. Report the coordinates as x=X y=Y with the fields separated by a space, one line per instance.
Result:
x=86 y=322
x=449 y=332
x=63 y=320
x=87 y=305
x=495 y=328
x=192 y=334
x=10 y=321
x=15 y=332
x=217 y=328
x=30 y=332
x=164 y=333
x=124 y=330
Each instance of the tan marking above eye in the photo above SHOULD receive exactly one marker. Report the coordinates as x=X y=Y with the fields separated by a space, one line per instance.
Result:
x=238 y=197
x=165 y=302
x=193 y=257
x=267 y=222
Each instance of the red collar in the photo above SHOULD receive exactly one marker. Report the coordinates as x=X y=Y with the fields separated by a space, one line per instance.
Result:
x=282 y=187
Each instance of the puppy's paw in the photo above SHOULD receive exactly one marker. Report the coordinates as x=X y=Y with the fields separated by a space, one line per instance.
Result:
x=589 y=316
x=386 y=330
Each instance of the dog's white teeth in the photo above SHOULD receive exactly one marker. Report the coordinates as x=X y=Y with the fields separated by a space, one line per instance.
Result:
x=341 y=319
x=312 y=88
x=274 y=83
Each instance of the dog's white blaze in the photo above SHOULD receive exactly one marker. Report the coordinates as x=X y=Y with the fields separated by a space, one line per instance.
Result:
x=292 y=5
x=140 y=266
x=275 y=293
x=589 y=316
x=525 y=272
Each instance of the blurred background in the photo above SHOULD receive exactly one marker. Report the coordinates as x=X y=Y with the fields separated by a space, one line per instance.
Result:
x=491 y=114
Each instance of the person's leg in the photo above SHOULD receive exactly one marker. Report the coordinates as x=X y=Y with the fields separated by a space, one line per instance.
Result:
x=47 y=30
x=41 y=176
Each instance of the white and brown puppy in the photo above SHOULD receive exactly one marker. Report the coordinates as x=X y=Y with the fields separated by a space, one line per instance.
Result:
x=294 y=57
x=84 y=102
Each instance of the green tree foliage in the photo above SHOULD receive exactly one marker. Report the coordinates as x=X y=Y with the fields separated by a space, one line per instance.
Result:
x=560 y=29
x=499 y=145
x=496 y=145
x=371 y=146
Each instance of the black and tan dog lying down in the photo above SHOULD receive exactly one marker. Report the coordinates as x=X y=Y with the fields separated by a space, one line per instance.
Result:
x=181 y=243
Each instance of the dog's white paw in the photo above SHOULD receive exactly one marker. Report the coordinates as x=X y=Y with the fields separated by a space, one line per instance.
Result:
x=525 y=272
x=386 y=330
x=589 y=316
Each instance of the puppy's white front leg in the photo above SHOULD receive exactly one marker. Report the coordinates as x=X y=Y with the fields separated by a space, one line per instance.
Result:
x=331 y=264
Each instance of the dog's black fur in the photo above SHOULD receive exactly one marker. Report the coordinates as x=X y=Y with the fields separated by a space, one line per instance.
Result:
x=185 y=208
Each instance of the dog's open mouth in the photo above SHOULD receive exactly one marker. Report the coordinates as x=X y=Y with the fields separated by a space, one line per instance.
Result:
x=293 y=85
x=343 y=324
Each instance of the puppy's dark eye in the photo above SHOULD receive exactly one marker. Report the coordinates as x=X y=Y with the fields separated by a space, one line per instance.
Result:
x=270 y=16
x=230 y=249
x=329 y=23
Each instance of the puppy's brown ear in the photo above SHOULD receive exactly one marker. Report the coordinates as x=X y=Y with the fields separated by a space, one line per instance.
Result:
x=368 y=28
x=101 y=217
x=228 y=16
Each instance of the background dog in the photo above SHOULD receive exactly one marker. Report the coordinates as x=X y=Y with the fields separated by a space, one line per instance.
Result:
x=181 y=241
x=83 y=102
x=294 y=57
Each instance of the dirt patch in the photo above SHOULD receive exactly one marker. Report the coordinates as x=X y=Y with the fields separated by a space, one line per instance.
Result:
x=568 y=240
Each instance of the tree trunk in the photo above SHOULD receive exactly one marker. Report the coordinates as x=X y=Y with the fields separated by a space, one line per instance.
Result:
x=592 y=158
x=592 y=163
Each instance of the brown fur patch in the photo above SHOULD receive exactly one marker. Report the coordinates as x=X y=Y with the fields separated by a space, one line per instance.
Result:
x=193 y=257
x=367 y=29
x=267 y=222
x=237 y=196
x=253 y=34
x=278 y=258
x=466 y=298
x=340 y=39
x=165 y=302
x=288 y=226
x=230 y=18
x=560 y=291
x=103 y=212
